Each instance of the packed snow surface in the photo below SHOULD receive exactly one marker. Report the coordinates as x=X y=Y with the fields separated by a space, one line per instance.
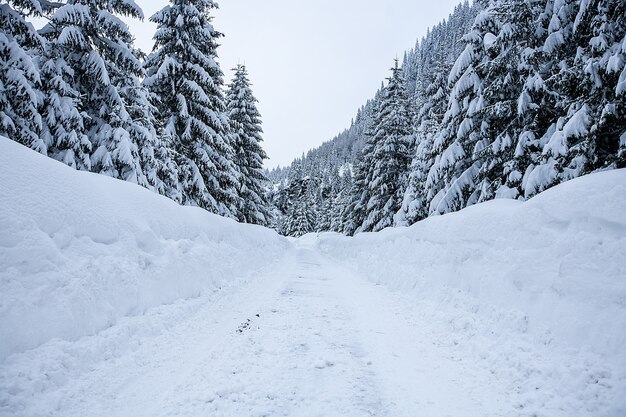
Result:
x=117 y=302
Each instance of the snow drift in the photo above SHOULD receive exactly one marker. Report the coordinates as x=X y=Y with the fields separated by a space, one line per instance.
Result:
x=78 y=251
x=532 y=292
x=557 y=259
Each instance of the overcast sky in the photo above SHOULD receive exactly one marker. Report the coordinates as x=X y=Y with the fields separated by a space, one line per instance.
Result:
x=312 y=63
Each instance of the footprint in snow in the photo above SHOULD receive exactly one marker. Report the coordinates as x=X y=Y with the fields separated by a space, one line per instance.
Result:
x=246 y=325
x=324 y=364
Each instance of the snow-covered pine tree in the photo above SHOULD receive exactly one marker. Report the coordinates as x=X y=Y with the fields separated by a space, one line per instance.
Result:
x=434 y=58
x=155 y=158
x=354 y=213
x=278 y=197
x=504 y=71
x=465 y=132
x=186 y=80
x=559 y=49
x=390 y=154
x=599 y=31
x=340 y=202
x=583 y=65
x=97 y=46
x=301 y=211
x=326 y=196
x=63 y=128
x=536 y=105
x=246 y=129
x=428 y=121
x=19 y=75
x=160 y=159
x=301 y=218
x=274 y=195
x=341 y=154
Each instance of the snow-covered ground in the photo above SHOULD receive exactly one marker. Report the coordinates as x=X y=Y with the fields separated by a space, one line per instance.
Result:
x=118 y=302
x=78 y=250
x=534 y=292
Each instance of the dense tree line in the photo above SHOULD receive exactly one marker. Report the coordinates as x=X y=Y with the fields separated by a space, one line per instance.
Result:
x=504 y=99
x=79 y=91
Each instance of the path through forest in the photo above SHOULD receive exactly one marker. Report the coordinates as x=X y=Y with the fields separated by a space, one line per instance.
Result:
x=309 y=338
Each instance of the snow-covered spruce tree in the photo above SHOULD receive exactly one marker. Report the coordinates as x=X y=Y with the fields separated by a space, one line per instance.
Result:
x=301 y=213
x=340 y=202
x=604 y=65
x=558 y=80
x=598 y=33
x=391 y=154
x=583 y=67
x=156 y=157
x=98 y=47
x=464 y=135
x=277 y=195
x=159 y=158
x=354 y=213
x=19 y=75
x=301 y=218
x=428 y=121
x=328 y=189
x=186 y=80
x=63 y=123
x=536 y=105
x=504 y=104
x=245 y=121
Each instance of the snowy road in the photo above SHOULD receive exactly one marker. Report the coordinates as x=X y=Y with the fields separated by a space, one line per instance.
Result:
x=310 y=338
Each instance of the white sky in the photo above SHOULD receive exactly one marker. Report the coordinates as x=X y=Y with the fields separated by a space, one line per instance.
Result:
x=312 y=63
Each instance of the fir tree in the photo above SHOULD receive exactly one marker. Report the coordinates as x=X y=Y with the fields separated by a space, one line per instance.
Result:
x=249 y=155
x=511 y=98
x=463 y=137
x=584 y=53
x=19 y=75
x=599 y=31
x=355 y=211
x=326 y=197
x=300 y=217
x=63 y=121
x=186 y=82
x=428 y=120
x=391 y=154
x=97 y=46
x=559 y=48
x=502 y=116
x=340 y=202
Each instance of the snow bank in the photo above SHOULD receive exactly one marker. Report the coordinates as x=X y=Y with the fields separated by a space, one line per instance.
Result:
x=78 y=251
x=557 y=260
